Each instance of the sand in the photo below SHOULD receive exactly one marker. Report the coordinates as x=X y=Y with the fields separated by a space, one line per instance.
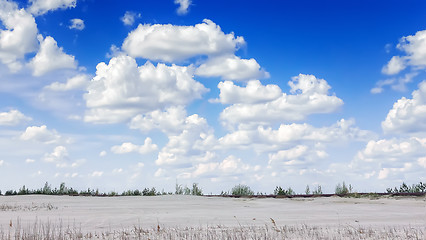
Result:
x=115 y=213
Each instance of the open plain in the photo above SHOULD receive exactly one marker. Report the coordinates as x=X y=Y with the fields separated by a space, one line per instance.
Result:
x=131 y=217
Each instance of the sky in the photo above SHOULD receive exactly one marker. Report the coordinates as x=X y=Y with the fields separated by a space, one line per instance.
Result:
x=120 y=95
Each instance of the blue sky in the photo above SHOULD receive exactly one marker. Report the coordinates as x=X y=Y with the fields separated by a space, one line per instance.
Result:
x=121 y=95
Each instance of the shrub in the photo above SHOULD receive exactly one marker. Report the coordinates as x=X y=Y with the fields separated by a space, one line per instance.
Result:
x=242 y=190
x=343 y=189
x=179 y=189
x=317 y=190
x=280 y=191
x=307 y=190
x=148 y=192
x=196 y=190
x=404 y=188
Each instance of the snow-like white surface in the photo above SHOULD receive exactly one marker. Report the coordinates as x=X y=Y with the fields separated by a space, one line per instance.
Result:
x=115 y=213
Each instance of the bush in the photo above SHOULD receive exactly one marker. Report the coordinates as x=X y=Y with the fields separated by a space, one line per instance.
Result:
x=242 y=190
x=404 y=188
x=196 y=190
x=280 y=191
x=317 y=190
x=342 y=189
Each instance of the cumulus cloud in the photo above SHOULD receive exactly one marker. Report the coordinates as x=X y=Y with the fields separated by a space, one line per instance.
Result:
x=171 y=120
x=175 y=43
x=59 y=154
x=12 y=118
x=191 y=146
x=60 y=157
x=394 y=66
x=309 y=95
x=397 y=84
x=129 y=18
x=300 y=155
x=230 y=166
x=231 y=68
x=77 y=24
x=96 y=174
x=77 y=82
x=414 y=47
x=18 y=35
x=40 y=134
x=408 y=115
x=287 y=135
x=393 y=158
x=1 y=163
x=183 y=6
x=128 y=147
x=122 y=89
x=40 y=7
x=50 y=57
x=254 y=92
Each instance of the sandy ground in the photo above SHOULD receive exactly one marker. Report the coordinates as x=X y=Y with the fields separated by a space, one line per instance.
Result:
x=115 y=213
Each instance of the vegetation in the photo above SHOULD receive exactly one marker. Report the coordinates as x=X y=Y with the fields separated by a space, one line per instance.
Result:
x=317 y=190
x=342 y=189
x=64 y=190
x=196 y=190
x=404 y=188
x=242 y=190
x=52 y=230
x=280 y=191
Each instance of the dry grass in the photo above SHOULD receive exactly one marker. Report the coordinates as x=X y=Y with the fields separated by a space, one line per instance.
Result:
x=57 y=230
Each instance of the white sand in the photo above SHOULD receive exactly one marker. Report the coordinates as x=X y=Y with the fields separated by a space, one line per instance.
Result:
x=115 y=213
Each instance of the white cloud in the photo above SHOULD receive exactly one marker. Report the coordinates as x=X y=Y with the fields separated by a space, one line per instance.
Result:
x=96 y=174
x=128 y=147
x=393 y=158
x=298 y=156
x=59 y=154
x=309 y=96
x=169 y=121
x=174 y=43
x=129 y=18
x=18 y=35
x=414 y=47
x=77 y=24
x=121 y=89
x=263 y=139
x=77 y=82
x=394 y=66
x=29 y=160
x=40 y=7
x=50 y=57
x=422 y=161
x=399 y=84
x=408 y=115
x=192 y=145
x=231 y=68
x=40 y=134
x=254 y=92
x=1 y=163
x=230 y=166
x=12 y=118
x=183 y=6
x=102 y=154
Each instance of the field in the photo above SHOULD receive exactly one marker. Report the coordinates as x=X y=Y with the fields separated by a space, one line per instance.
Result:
x=196 y=217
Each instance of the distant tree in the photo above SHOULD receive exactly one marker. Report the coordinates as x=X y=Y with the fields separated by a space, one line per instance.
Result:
x=317 y=190
x=307 y=190
x=242 y=190
x=342 y=189
x=280 y=191
x=196 y=190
